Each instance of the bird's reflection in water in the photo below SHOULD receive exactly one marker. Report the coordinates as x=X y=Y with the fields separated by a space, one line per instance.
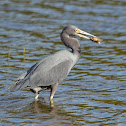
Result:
x=49 y=113
x=41 y=106
x=38 y=112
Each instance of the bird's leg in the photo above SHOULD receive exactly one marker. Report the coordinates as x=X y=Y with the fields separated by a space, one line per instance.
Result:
x=37 y=94
x=36 y=91
x=53 y=90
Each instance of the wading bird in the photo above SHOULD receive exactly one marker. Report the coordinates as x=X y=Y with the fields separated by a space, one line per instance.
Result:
x=50 y=71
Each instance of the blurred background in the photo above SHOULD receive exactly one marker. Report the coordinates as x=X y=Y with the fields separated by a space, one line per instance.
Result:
x=94 y=92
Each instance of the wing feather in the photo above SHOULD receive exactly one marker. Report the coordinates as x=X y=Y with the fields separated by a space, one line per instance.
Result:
x=48 y=71
x=52 y=76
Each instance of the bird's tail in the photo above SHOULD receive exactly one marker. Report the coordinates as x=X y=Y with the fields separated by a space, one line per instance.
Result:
x=16 y=86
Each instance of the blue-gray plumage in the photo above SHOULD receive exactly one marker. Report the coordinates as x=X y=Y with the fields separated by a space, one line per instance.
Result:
x=48 y=72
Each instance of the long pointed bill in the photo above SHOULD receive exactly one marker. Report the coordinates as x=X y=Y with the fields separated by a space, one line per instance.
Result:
x=86 y=35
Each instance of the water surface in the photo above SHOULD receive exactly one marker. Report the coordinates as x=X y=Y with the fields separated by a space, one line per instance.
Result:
x=94 y=92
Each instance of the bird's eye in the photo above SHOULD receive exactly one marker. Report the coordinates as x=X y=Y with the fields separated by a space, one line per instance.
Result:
x=77 y=30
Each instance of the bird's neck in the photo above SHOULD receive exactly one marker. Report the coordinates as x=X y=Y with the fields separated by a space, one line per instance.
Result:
x=76 y=53
x=72 y=43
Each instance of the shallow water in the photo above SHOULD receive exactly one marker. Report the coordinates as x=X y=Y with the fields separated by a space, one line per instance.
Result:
x=94 y=92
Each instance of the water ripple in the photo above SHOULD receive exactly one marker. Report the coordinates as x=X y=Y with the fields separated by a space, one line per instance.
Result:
x=94 y=92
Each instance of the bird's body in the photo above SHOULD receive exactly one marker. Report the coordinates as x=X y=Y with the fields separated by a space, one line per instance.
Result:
x=50 y=71
x=39 y=75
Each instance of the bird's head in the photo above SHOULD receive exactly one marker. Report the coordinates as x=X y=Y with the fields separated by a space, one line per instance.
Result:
x=74 y=31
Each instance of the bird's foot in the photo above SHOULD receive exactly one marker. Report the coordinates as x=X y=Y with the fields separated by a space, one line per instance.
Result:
x=51 y=103
x=36 y=97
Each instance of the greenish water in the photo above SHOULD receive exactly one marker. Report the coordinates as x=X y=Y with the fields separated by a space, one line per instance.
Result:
x=95 y=91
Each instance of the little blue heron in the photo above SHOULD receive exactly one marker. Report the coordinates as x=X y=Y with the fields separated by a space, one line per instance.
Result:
x=48 y=72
